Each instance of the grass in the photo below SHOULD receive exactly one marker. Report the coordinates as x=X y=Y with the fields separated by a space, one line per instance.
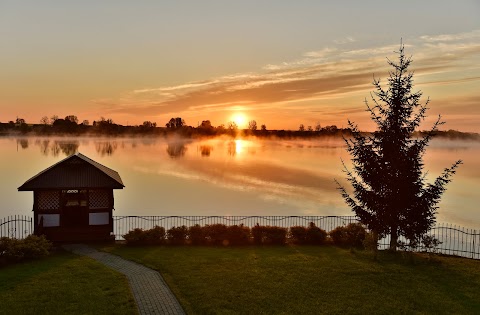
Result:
x=64 y=284
x=311 y=280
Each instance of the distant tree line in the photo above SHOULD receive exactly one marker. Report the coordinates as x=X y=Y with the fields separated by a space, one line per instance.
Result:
x=71 y=125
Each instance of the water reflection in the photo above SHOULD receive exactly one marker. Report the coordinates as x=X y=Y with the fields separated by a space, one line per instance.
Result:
x=105 y=147
x=205 y=150
x=267 y=177
x=23 y=143
x=67 y=147
x=54 y=148
x=176 y=149
x=44 y=146
x=232 y=148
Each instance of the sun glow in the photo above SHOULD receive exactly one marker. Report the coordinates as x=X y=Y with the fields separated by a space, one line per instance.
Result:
x=240 y=119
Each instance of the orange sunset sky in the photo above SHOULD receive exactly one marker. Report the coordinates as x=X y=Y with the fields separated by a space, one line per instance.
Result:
x=282 y=63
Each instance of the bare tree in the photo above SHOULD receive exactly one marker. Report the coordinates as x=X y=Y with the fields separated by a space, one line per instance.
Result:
x=44 y=120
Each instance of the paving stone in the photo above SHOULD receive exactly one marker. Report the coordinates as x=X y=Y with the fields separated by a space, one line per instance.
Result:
x=151 y=293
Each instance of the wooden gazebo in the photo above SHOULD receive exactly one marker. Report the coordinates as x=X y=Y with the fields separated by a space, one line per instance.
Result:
x=73 y=200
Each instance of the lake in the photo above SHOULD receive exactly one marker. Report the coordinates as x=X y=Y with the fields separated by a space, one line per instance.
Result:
x=222 y=176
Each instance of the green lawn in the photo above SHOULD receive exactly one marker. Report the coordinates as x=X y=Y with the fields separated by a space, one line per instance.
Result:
x=64 y=284
x=311 y=280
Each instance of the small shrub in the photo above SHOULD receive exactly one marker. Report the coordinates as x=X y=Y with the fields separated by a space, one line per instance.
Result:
x=196 y=235
x=355 y=234
x=351 y=235
x=177 y=235
x=238 y=235
x=430 y=244
x=371 y=243
x=298 y=234
x=216 y=234
x=275 y=235
x=10 y=249
x=258 y=233
x=135 y=237
x=338 y=235
x=32 y=247
x=5 y=244
x=155 y=236
x=269 y=235
x=315 y=235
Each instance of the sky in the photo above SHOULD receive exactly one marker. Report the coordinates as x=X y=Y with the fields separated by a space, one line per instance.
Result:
x=280 y=63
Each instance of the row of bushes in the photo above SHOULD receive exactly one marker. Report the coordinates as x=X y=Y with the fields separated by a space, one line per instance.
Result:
x=351 y=235
x=16 y=250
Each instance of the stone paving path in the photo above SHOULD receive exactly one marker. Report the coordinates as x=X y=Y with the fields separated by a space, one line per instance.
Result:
x=150 y=291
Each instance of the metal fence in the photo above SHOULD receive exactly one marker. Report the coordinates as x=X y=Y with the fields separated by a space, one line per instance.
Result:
x=16 y=226
x=455 y=240
x=123 y=224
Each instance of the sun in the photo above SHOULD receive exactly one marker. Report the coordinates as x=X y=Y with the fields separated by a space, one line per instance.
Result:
x=240 y=119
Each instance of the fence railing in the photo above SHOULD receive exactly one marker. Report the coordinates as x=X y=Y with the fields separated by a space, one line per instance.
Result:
x=16 y=226
x=123 y=224
x=455 y=240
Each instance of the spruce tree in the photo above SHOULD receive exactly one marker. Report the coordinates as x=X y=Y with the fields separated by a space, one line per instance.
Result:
x=390 y=193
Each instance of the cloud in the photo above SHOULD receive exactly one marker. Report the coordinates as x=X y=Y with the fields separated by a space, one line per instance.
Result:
x=326 y=52
x=177 y=87
x=451 y=37
x=317 y=75
x=375 y=51
x=345 y=40
x=451 y=81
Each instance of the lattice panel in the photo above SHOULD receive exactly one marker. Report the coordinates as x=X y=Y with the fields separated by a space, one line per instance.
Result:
x=98 y=199
x=48 y=200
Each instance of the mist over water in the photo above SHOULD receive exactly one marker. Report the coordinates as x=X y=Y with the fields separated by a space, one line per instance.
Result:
x=224 y=176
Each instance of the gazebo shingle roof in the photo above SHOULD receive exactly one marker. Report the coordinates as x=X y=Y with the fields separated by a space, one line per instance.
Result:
x=74 y=172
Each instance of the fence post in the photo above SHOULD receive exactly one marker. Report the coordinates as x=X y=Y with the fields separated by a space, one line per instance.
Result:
x=474 y=236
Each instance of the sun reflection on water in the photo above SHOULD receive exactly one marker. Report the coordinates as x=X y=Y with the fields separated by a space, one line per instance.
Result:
x=239 y=146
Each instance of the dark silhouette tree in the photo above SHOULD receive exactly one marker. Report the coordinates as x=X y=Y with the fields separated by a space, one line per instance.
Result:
x=44 y=120
x=252 y=125
x=206 y=128
x=232 y=128
x=206 y=124
x=53 y=118
x=149 y=125
x=72 y=119
x=175 y=123
x=390 y=192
